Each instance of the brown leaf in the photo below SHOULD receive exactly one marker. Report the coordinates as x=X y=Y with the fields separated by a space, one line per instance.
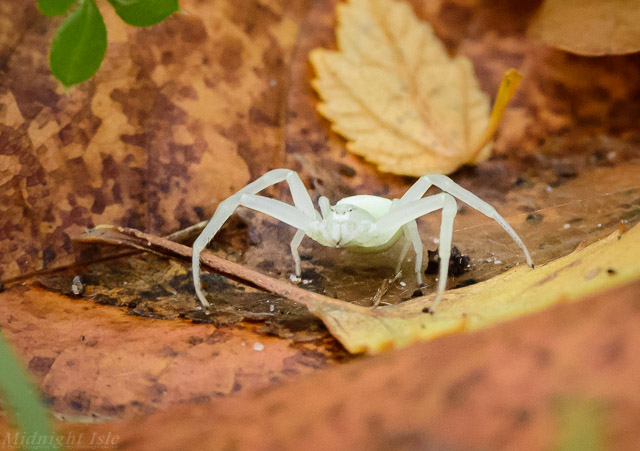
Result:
x=495 y=389
x=589 y=27
x=178 y=115
x=99 y=363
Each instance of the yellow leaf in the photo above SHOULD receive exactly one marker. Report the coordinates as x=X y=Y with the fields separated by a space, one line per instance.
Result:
x=396 y=95
x=605 y=264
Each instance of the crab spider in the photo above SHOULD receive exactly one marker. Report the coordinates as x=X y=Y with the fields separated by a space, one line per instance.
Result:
x=363 y=221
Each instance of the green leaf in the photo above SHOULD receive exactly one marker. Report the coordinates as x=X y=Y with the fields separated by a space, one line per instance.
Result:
x=581 y=424
x=22 y=400
x=79 y=45
x=54 y=7
x=144 y=13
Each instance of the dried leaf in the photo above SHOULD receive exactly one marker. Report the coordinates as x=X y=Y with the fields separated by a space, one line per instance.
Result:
x=607 y=263
x=513 y=386
x=179 y=114
x=591 y=27
x=94 y=362
x=396 y=95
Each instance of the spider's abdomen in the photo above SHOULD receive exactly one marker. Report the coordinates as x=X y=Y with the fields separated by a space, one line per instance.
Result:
x=376 y=206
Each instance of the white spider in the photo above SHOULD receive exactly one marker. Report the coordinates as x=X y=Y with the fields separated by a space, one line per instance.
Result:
x=362 y=221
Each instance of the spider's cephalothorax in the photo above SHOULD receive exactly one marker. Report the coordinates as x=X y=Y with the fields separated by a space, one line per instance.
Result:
x=352 y=223
x=364 y=221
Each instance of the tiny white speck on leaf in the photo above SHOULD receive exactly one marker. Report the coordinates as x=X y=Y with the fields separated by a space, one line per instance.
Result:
x=258 y=346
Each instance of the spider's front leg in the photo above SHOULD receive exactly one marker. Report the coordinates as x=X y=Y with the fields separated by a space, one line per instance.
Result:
x=295 y=244
x=412 y=237
x=301 y=216
x=449 y=186
x=412 y=205
x=405 y=216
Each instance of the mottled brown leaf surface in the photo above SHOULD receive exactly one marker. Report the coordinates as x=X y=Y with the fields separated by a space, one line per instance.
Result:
x=495 y=389
x=179 y=114
x=96 y=363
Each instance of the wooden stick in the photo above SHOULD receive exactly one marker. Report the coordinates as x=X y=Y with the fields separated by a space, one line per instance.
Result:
x=123 y=236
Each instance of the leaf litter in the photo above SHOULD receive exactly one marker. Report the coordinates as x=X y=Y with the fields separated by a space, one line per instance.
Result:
x=604 y=264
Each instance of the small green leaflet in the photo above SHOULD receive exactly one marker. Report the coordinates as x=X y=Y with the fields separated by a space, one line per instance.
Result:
x=21 y=399
x=79 y=45
x=144 y=13
x=581 y=424
x=54 y=7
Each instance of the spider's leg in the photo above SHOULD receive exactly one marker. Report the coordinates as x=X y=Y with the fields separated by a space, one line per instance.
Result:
x=405 y=245
x=299 y=194
x=275 y=208
x=224 y=210
x=405 y=249
x=447 y=185
x=416 y=191
x=325 y=206
x=404 y=214
x=449 y=211
x=412 y=229
x=295 y=243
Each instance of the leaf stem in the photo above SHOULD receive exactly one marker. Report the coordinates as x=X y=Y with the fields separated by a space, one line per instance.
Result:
x=508 y=87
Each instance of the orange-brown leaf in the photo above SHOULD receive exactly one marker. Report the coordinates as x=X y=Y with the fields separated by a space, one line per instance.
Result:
x=589 y=27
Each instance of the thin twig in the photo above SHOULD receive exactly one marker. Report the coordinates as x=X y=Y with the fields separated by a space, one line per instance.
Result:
x=384 y=288
x=123 y=236
x=179 y=236
x=185 y=234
